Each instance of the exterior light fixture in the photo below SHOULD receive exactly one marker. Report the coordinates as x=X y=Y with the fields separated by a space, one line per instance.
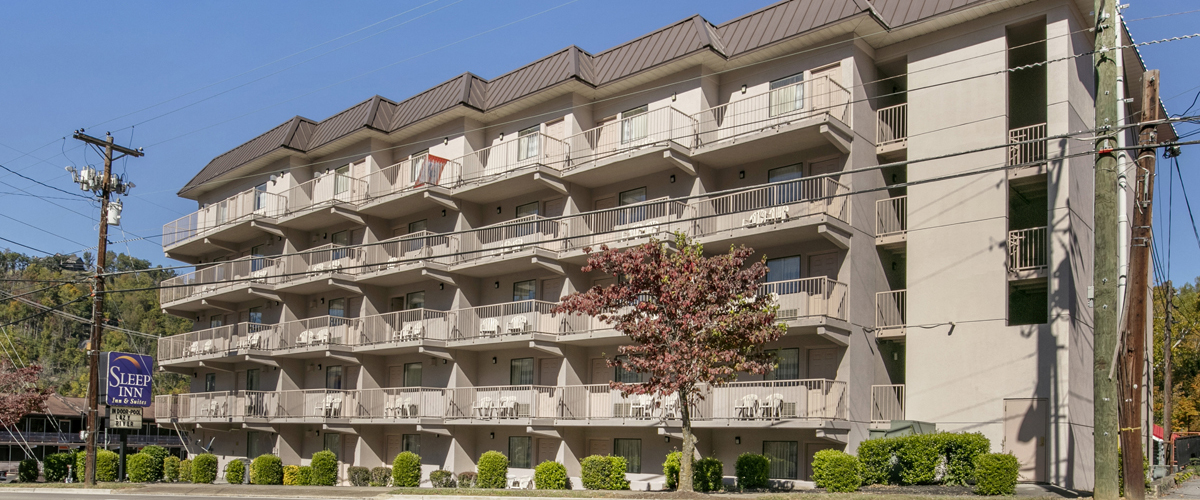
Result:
x=443 y=212
x=672 y=178
x=743 y=88
x=493 y=360
x=502 y=136
x=441 y=286
x=737 y=440
x=492 y=435
x=499 y=210
x=497 y=284
x=445 y=141
x=666 y=439
x=674 y=95
x=741 y=174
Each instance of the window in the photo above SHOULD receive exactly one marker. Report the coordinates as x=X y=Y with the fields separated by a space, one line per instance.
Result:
x=527 y=209
x=333 y=377
x=333 y=442
x=523 y=211
x=339 y=239
x=631 y=451
x=414 y=300
x=528 y=142
x=412 y=442
x=787 y=95
x=252 y=379
x=520 y=452
x=787 y=365
x=255 y=315
x=418 y=226
x=412 y=374
x=256 y=264
x=337 y=308
x=627 y=376
x=214 y=321
x=524 y=290
x=252 y=445
x=634 y=124
x=788 y=173
x=784 y=458
x=783 y=269
x=260 y=197
x=788 y=192
x=634 y=214
x=341 y=179
x=417 y=161
x=521 y=371
x=210 y=382
x=632 y=196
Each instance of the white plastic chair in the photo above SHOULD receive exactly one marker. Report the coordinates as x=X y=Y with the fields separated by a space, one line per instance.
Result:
x=746 y=408
x=193 y=349
x=303 y=339
x=489 y=327
x=322 y=336
x=483 y=407
x=208 y=347
x=670 y=406
x=642 y=406
x=516 y=324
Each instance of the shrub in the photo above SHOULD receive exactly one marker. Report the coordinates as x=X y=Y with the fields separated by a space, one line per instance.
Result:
x=235 y=472
x=266 y=469
x=917 y=458
x=468 y=480
x=708 y=474
x=671 y=469
x=836 y=471
x=381 y=476
x=960 y=452
x=995 y=474
x=185 y=471
x=106 y=466
x=406 y=470
x=171 y=469
x=80 y=459
x=493 y=470
x=359 y=476
x=753 y=471
x=141 y=469
x=27 y=471
x=604 y=473
x=159 y=453
x=324 y=469
x=550 y=475
x=291 y=475
x=304 y=476
x=875 y=456
x=442 y=478
x=616 y=473
x=204 y=468
x=55 y=466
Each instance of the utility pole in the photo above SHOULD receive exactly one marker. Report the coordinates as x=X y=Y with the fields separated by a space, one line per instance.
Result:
x=103 y=188
x=1139 y=278
x=1168 y=443
x=1105 y=268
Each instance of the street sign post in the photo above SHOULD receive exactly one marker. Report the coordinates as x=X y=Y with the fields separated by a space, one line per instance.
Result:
x=129 y=377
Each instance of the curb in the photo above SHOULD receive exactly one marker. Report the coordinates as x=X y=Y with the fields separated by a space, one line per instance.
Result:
x=74 y=491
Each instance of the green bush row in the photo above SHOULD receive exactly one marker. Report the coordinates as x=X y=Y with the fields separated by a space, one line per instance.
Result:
x=996 y=474
x=106 y=466
x=915 y=459
x=837 y=471
x=266 y=469
x=604 y=473
x=707 y=473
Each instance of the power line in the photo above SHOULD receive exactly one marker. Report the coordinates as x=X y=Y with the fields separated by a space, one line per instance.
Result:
x=1186 y=200
x=19 y=221
x=24 y=245
x=43 y=184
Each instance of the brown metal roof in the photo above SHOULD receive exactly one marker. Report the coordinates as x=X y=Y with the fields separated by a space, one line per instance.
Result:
x=900 y=12
x=292 y=134
x=552 y=69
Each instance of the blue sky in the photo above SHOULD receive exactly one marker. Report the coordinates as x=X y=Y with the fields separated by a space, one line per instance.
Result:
x=85 y=64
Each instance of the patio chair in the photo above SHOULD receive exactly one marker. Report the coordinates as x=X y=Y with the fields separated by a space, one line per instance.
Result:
x=489 y=327
x=209 y=347
x=406 y=407
x=322 y=336
x=193 y=349
x=770 y=407
x=507 y=407
x=483 y=407
x=642 y=406
x=302 y=340
x=748 y=406
x=516 y=324
x=670 y=406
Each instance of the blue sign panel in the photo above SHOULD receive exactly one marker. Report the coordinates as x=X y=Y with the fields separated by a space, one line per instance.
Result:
x=129 y=378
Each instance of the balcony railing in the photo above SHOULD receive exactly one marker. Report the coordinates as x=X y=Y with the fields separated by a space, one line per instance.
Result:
x=325 y=189
x=401 y=251
x=891 y=309
x=631 y=132
x=413 y=325
x=1031 y=151
x=891 y=216
x=626 y=225
x=235 y=273
x=813 y=399
x=887 y=403
x=513 y=318
x=323 y=260
x=779 y=106
x=412 y=174
x=246 y=205
x=502 y=402
x=498 y=240
x=509 y=157
x=212 y=405
x=768 y=205
x=402 y=402
x=806 y=297
x=1028 y=249
x=318 y=331
x=891 y=125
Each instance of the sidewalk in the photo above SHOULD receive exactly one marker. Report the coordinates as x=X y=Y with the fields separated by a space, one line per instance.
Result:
x=252 y=490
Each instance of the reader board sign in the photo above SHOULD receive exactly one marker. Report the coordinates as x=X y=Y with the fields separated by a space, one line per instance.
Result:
x=120 y=417
x=129 y=378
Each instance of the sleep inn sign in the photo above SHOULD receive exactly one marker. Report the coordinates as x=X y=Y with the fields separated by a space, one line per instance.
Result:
x=129 y=379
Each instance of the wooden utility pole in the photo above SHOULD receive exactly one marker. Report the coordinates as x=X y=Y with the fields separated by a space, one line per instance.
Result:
x=104 y=190
x=1168 y=443
x=1134 y=348
x=1106 y=272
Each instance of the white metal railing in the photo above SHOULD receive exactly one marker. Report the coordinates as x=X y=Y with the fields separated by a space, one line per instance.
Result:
x=502 y=402
x=806 y=99
x=630 y=224
x=600 y=402
x=413 y=325
x=501 y=239
x=891 y=124
x=317 y=403
x=403 y=251
x=413 y=173
x=196 y=405
x=891 y=308
x=249 y=204
x=656 y=126
x=1028 y=249
x=245 y=271
x=511 y=156
x=325 y=189
x=805 y=297
x=891 y=216
x=811 y=399
x=1029 y=152
x=513 y=318
x=887 y=403
x=318 y=331
x=217 y=341
x=401 y=402
x=768 y=205
x=323 y=260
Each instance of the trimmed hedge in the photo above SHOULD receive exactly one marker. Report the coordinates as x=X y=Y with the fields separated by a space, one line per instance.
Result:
x=204 y=468
x=304 y=476
x=55 y=466
x=550 y=475
x=324 y=469
x=442 y=478
x=468 y=480
x=381 y=476
x=359 y=476
x=671 y=469
x=406 y=470
x=141 y=469
x=27 y=471
x=106 y=466
x=493 y=470
x=185 y=471
x=159 y=453
x=266 y=469
x=291 y=474
x=875 y=455
x=996 y=474
x=836 y=471
x=916 y=459
x=235 y=472
x=171 y=469
x=604 y=473
x=708 y=474
x=753 y=471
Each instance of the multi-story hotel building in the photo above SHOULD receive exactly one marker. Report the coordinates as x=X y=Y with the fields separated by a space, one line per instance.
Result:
x=382 y=280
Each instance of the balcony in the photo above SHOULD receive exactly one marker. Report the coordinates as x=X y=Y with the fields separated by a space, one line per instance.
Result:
x=505 y=404
x=212 y=346
x=634 y=146
x=316 y=337
x=891 y=223
x=805 y=208
x=891 y=310
x=220 y=285
x=403 y=332
x=407 y=259
x=887 y=403
x=509 y=247
x=624 y=227
x=1028 y=254
x=239 y=218
x=891 y=131
x=511 y=324
x=410 y=186
x=805 y=115
x=323 y=201
x=320 y=269
x=507 y=168
x=401 y=405
x=1027 y=154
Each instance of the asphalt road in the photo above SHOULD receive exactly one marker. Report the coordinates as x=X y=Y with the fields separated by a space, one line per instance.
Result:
x=56 y=493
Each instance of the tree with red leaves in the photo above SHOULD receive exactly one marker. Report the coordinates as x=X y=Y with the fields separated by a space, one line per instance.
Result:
x=19 y=393
x=695 y=321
